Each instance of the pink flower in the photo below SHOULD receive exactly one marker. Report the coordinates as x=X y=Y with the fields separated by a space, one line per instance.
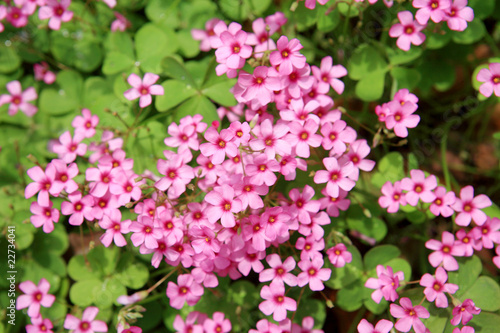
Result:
x=496 y=259
x=86 y=123
x=443 y=202
x=437 y=286
x=233 y=52
x=218 y=324
x=313 y=274
x=334 y=205
x=336 y=135
x=409 y=316
x=303 y=136
x=176 y=176
x=358 y=150
x=303 y=203
x=44 y=216
x=223 y=205
x=458 y=15
x=403 y=96
x=190 y=325
x=264 y=326
x=339 y=255
x=419 y=187
x=383 y=326
x=114 y=227
x=279 y=271
x=143 y=88
x=470 y=240
x=491 y=78
x=262 y=170
x=34 y=297
x=287 y=57
x=145 y=232
x=488 y=233
x=78 y=208
x=433 y=9
x=121 y=23
x=87 y=324
x=469 y=207
x=401 y=118
x=185 y=291
x=44 y=184
x=19 y=99
x=209 y=39
x=3 y=14
x=328 y=75
x=336 y=176
x=258 y=88
x=250 y=194
x=39 y=325
x=57 y=12
x=464 y=312
x=218 y=145
x=465 y=329
x=444 y=251
x=393 y=197
x=311 y=4
x=385 y=285
x=260 y=37
x=68 y=148
x=18 y=17
x=42 y=73
x=408 y=31
x=276 y=302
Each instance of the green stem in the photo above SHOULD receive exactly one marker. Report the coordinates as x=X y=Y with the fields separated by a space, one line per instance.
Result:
x=444 y=162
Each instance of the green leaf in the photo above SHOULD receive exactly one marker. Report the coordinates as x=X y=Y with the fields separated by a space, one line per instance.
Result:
x=416 y=216
x=9 y=60
x=485 y=322
x=152 y=44
x=405 y=77
x=482 y=8
x=343 y=276
x=189 y=47
x=80 y=270
x=106 y=293
x=66 y=98
x=348 y=10
x=164 y=12
x=493 y=210
x=485 y=293
x=366 y=61
x=438 y=40
x=176 y=92
x=469 y=270
x=176 y=70
x=105 y=258
x=371 y=87
x=197 y=105
x=371 y=227
x=242 y=293
x=375 y=308
x=350 y=298
x=82 y=292
x=436 y=73
x=259 y=6
x=220 y=93
x=474 y=32
x=390 y=168
x=309 y=307
x=304 y=17
x=327 y=23
x=379 y=255
x=399 y=57
x=116 y=62
x=135 y=275
x=120 y=42
x=151 y=317
x=235 y=9
x=56 y=242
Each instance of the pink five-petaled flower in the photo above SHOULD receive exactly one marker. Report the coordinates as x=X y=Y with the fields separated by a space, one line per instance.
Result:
x=19 y=99
x=458 y=15
x=44 y=216
x=78 y=208
x=114 y=227
x=121 y=23
x=209 y=39
x=177 y=175
x=464 y=329
x=491 y=78
x=393 y=196
x=86 y=123
x=275 y=301
x=437 y=286
x=232 y=53
x=419 y=187
x=409 y=316
x=34 y=297
x=433 y=9
x=42 y=73
x=386 y=284
x=469 y=207
x=218 y=324
x=401 y=118
x=287 y=56
x=444 y=251
x=302 y=136
x=443 y=202
x=68 y=148
x=339 y=255
x=408 y=31
x=383 y=326
x=218 y=145
x=279 y=271
x=186 y=290
x=223 y=205
x=335 y=176
x=313 y=274
x=39 y=325
x=87 y=324
x=258 y=87
x=328 y=75
x=57 y=12
x=145 y=232
x=143 y=88
x=311 y=4
x=464 y=312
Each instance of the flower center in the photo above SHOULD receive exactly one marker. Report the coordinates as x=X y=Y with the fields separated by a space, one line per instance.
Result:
x=248 y=188
x=183 y=290
x=396 y=196
x=102 y=204
x=453 y=12
x=222 y=143
x=280 y=299
x=285 y=54
x=227 y=206
x=88 y=124
x=262 y=167
x=446 y=249
x=311 y=271
x=59 y=11
x=84 y=326
x=259 y=80
x=304 y=135
x=210 y=165
x=144 y=91
x=271 y=219
x=467 y=208
x=438 y=202
x=78 y=207
x=465 y=240
x=337 y=252
x=307 y=247
x=16 y=100
x=397 y=117
x=64 y=178
x=299 y=203
x=184 y=137
x=236 y=159
x=105 y=179
x=169 y=225
x=437 y=286
x=38 y=297
x=411 y=312
x=332 y=199
x=335 y=176
x=434 y=5
x=171 y=174
x=239 y=133
x=484 y=231
x=269 y=142
x=280 y=271
x=43 y=328
x=116 y=227
x=236 y=49
x=418 y=189
x=293 y=77
x=332 y=136
x=325 y=78
x=256 y=227
x=128 y=188
x=496 y=79
x=116 y=164
x=197 y=215
x=355 y=159
x=409 y=30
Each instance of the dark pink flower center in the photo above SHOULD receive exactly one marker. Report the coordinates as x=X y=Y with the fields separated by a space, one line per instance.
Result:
x=409 y=30
x=279 y=299
x=16 y=100
x=84 y=325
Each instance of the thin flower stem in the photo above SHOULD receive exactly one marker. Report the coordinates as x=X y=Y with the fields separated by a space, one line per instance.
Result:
x=160 y=281
x=298 y=301
x=444 y=162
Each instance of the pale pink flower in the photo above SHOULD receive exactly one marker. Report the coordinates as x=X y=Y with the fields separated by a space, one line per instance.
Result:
x=259 y=86
x=328 y=75
x=110 y=3
x=218 y=145
x=339 y=255
x=275 y=22
x=19 y=99
x=419 y=187
x=279 y=271
x=464 y=329
x=311 y=4
x=287 y=57
x=383 y=326
x=86 y=123
x=409 y=316
x=208 y=37
x=437 y=286
x=313 y=274
x=464 y=312
x=385 y=285
x=233 y=52
x=458 y=15
x=403 y=96
x=470 y=240
x=145 y=232
x=114 y=227
x=190 y=325
x=469 y=207
x=431 y=9
x=393 y=196
x=261 y=38
x=143 y=89
x=496 y=259
x=39 y=325
x=336 y=176
x=271 y=138
x=445 y=251
x=87 y=324
x=490 y=76
x=57 y=12
x=44 y=216
x=121 y=23
x=298 y=81
x=176 y=176
x=42 y=73
x=17 y=16
x=334 y=205
x=68 y=148
x=217 y=324
x=3 y=15
x=275 y=301
x=443 y=202
x=358 y=150
x=401 y=118
x=34 y=297
x=488 y=233
x=303 y=136
x=223 y=205
x=336 y=135
x=407 y=32
x=186 y=290
x=262 y=170
x=264 y=326
x=303 y=204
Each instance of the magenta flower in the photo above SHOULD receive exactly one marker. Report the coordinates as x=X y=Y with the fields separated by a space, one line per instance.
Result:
x=233 y=52
x=444 y=251
x=279 y=271
x=185 y=291
x=437 y=286
x=401 y=118
x=262 y=170
x=44 y=184
x=42 y=73
x=409 y=316
x=87 y=324
x=176 y=176
x=145 y=232
x=44 y=216
x=407 y=32
x=470 y=240
x=223 y=205
x=57 y=12
x=334 y=205
x=464 y=312
x=443 y=202
x=311 y=4
x=218 y=324
x=458 y=15
x=488 y=233
x=358 y=150
x=491 y=78
x=383 y=326
x=276 y=302
x=264 y=326
x=143 y=89
x=304 y=136
x=336 y=135
x=16 y=16
x=34 y=297
x=39 y=325
x=86 y=123
x=385 y=285
x=433 y=9
x=121 y=23
x=258 y=87
x=313 y=274
x=339 y=255
x=328 y=75
x=218 y=145
x=336 y=176
x=78 y=208
x=209 y=39
x=114 y=227
x=250 y=194
x=464 y=329
x=3 y=15
x=261 y=37
x=469 y=207
x=19 y=99
x=303 y=203
x=419 y=187
x=68 y=148
x=287 y=57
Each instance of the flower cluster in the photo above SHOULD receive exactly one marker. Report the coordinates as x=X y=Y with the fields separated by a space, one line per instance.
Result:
x=398 y=114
